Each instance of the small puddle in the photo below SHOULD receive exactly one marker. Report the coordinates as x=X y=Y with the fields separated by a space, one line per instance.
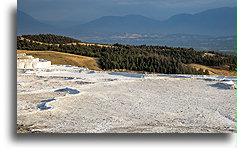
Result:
x=48 y=100
x=69 y=90
x=43 y=106
x=84 y=82
x=70 y=78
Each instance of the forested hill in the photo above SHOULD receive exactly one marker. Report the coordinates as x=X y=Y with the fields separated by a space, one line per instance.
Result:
x=51 y=38
x=160 y=59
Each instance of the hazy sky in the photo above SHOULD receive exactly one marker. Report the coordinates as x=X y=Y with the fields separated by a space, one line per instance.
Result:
x=86 y=10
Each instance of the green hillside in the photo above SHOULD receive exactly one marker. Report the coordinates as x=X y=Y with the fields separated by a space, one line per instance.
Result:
x=159 y=59
x=51 y=38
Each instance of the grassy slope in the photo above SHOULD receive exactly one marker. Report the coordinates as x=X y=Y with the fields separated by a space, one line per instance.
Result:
x=91 y=63
x=220 y=70
x=64 y=58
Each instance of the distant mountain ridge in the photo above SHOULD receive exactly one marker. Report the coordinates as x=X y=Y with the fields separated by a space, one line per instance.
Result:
x=26 y=24
x=219 y=22
x=132 y=23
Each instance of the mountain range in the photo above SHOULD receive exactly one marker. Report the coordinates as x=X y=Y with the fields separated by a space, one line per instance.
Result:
x=218 y=22
x=26 y=24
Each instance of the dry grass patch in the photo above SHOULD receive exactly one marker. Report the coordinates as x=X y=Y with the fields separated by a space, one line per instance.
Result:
x=215 y=70
x=60 y=58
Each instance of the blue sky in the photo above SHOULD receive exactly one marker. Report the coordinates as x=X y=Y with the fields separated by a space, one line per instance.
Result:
x=86 y=10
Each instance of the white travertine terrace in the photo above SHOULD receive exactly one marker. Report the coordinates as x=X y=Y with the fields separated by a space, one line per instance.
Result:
x=71 y=99
x=29 y=62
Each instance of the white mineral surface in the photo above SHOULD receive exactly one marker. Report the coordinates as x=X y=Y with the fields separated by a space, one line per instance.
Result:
x=69 y=99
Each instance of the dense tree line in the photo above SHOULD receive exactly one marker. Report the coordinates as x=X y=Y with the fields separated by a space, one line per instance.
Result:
x=161 y=59
x=51 y=38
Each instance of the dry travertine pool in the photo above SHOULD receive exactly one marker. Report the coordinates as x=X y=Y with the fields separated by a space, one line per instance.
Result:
x=77 y=105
